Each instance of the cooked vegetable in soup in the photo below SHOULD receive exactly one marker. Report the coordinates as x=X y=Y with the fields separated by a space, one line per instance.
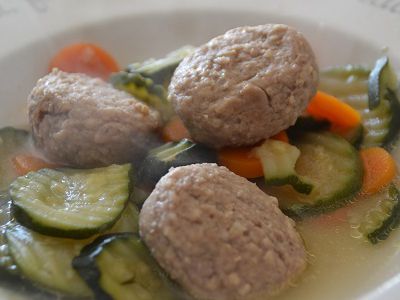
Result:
x=234 y=170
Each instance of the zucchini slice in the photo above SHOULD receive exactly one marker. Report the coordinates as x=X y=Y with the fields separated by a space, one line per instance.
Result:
x=71 y=203
x=380 y=221
x=161 y=70
x=334 y=168
x=12 y=142
x=381 y=125
x=149 y=80
x=381 y=79
x=6 y=261
x=120 y=267
x=47 y=260
x=144 y=89
x=173 y=154
x=278 y=160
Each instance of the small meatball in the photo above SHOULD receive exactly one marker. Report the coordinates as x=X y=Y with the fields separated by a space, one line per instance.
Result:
x=84 y=122
x=245 y=85
x=219 y=236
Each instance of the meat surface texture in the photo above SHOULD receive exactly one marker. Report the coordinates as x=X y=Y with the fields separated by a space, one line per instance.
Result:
x=219 y=236
x=245 y=85
x=81 y=121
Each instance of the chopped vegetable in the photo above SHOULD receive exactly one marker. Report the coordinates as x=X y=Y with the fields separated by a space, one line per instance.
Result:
x=325 y=106
x=71 y=203
x=380 y=221
x=161 y=70
x=145 y=90
x=241 y=161
x=352 y=135
x=278 y=160
x=334 y=168
x=348 y=72
x=6 y=261
x=175 y=130
x=47 y=260
x=12 y=142
x=379 y=169
x=24 y=164
x=148 y=81
x=119 y=266
x=381 y=79
x=85 y=58
x=173 y=154
x=381 y=125
x=281 y=136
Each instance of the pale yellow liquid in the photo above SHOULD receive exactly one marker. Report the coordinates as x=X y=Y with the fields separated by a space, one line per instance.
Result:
x=342 y=263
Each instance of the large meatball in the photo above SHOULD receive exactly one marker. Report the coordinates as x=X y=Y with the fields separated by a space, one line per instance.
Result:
x=219 y=235
x=84 y=122
x=245 y=85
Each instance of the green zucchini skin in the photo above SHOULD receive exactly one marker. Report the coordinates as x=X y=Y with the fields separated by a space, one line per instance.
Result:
x=358 y=86
x=89 y=216
x=278 y=160
x=392 y=220
x=54 y=255
x=10 y=277
x=144 y=89
x=394 y=125
x=161 y=70
x=98 y=277
x=325 y=158
x=148 y=81
x=12 y=142
x=173 y=154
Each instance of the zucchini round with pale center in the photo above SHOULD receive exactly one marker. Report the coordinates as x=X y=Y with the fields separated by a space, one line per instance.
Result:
x=71 y=203
x=12 y=142
x=334 y=168
x=173 y=154
x=380 y=221
x=121 y=267
x=47 y=260
x=278 y=160
x=364 y=90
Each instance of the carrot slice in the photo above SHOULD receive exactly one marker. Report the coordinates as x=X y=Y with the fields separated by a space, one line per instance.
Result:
x=174 y=131
x=24 y=164
x=85 y=58
x=241 y=161
x=281 y=136
x=379 y=169
x=325 y=106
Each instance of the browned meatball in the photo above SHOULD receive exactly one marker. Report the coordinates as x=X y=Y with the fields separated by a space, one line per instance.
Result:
x=245 y=85
x=84 y=122
x=219 y=235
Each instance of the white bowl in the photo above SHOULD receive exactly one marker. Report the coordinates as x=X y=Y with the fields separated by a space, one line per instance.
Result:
x=340 y=32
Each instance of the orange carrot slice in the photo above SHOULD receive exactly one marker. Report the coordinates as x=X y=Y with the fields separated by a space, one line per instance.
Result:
x=241 y=161
x=174 y=131
x=379 y=169
x=85 y=58
x=24 y=164
x=324 y=106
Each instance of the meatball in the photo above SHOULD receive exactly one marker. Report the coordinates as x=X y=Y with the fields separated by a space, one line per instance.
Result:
x=219 y=236
x=245 y=85
x=84 y=122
